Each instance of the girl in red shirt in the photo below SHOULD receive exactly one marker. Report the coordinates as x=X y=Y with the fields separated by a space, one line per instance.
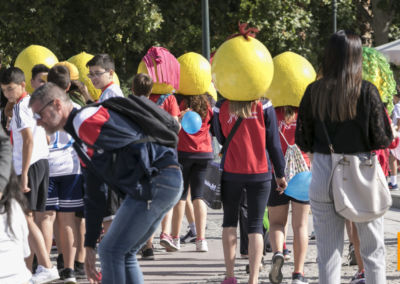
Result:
x=194 y=153
x=246 y=167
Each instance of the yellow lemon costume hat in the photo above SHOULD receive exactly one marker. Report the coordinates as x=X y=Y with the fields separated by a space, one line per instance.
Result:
x=292 y=74
x=242 y=68
x=195 y=76
x=80 y=61
x=31 y=56
x=73 y=70
x=163 y=68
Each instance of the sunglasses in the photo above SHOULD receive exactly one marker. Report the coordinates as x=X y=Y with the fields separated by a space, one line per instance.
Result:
x=37 y=115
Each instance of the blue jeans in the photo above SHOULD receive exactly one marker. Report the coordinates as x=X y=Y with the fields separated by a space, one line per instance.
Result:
x=133 y=224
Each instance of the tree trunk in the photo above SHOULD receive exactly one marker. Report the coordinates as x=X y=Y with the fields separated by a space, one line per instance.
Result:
x=364 y=17
x=381 y=22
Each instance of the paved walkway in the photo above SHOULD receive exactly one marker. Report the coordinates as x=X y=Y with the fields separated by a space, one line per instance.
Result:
x=189 y=266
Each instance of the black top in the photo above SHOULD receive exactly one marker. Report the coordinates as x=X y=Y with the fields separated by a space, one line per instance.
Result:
x=369 y=130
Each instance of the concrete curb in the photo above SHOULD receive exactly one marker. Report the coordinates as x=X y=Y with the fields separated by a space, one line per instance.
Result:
x=396 y=199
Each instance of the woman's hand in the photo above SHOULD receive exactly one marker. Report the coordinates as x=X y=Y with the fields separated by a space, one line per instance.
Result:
x=183 y=113
x=281 y=183
x=92 y=274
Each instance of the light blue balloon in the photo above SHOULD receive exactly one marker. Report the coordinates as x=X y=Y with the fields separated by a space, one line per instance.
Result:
x=191 y=122
x=299 y=186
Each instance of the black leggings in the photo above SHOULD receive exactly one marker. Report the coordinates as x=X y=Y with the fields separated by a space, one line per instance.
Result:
x=244 y=236
x=193 y=172
x=257 y=197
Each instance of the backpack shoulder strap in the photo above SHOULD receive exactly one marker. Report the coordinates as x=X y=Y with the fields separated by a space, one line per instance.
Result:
x=78 y=146
x=284 y=138
x=230 y=136
x=162 y=99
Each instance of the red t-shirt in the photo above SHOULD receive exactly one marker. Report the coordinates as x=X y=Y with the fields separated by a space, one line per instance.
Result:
x=287 y=129
x=199 y=142
x=246 y=151
x=383 y=154
x=170 y=104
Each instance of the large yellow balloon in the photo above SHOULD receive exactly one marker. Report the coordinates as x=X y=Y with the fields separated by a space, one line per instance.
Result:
x=158 y=88
x=80 y=61
x=195 y=76
x=292 y=74
x=242 y=69
x=29 y=57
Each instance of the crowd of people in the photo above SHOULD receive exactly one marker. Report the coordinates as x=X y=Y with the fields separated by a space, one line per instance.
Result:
x=82 y=170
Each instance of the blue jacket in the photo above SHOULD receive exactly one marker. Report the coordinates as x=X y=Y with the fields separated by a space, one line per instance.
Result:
x=128 y=166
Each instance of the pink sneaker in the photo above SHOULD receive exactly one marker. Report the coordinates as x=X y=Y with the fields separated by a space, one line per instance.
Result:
x=167 y=242
x=230 y=280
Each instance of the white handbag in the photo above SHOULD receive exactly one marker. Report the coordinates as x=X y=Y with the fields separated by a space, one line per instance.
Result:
x=358 y=186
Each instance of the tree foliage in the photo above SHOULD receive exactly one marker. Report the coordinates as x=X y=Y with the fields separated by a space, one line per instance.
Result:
x=67 y=27
x=127 y=28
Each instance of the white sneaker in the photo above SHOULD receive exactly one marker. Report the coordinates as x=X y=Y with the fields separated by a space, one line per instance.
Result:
x=201 y=245
x=45 y=275
x=177 y=242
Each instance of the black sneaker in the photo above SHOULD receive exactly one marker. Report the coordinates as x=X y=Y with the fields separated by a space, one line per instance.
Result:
x=68 y=276
x=275 y=275
x=79 y=268
x=60 y=262
x=268 y=248
x=298 y=278
x=147 y=254
x=189 y=237
x=141 y=249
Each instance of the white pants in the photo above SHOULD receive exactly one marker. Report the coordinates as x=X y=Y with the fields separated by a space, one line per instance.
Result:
x=329 y=231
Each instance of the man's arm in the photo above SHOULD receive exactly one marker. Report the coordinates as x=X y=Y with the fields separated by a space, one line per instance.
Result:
x=27 y=147
x=5 y=160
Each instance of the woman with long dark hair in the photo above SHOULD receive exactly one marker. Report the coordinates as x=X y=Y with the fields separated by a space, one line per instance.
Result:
x=353 y=114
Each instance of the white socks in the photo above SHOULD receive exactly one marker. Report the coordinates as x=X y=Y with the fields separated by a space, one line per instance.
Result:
x=393 y=180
